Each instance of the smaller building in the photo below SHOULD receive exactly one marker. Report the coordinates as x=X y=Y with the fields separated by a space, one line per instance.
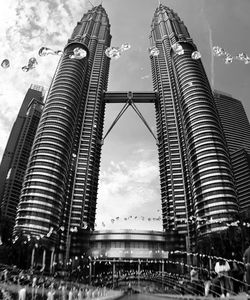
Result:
x=128 y=245
x=236 y=128
x=234 y=121
x=17 y=151
x=241 y=166
x=116 y=257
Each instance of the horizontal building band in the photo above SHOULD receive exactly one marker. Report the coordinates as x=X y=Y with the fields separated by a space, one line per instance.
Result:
x=126 y=234
x=136 y=97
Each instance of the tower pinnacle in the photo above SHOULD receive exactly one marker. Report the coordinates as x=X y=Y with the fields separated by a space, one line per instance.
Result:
x=91 y=3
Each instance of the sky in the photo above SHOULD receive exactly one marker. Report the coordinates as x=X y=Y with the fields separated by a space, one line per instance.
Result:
x=129 y=188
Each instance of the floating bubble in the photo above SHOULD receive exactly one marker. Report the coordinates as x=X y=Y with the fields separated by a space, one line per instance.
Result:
x=228 y=59
x=116 y=55
x=25 y=68
x=58 y=52
x=218 y=51
x=5 y=64
x=79 y=53
x=113 y=52
x=32 y=63
x=125 y=47
x=223 y=52
x=178 y=49
x=46 y=51
x=247 y=61
x=196 y=55
x=242 y=56
x=154 y=51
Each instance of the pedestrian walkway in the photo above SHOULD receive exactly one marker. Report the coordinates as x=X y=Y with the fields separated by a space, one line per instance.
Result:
x=242 y=296
x=10 y=292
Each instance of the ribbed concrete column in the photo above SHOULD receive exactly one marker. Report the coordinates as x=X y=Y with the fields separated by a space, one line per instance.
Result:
x=32 y=257
x=44 y=260
x=113 y=273
x=209 y=164
x=44 y=184
x=52 y=260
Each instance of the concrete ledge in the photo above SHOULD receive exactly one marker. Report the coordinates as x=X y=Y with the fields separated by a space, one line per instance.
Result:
x=111 y=296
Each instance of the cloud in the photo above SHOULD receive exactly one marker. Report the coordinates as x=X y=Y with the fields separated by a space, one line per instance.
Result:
x=25 y=26
x=42 y=22
x=129 y=188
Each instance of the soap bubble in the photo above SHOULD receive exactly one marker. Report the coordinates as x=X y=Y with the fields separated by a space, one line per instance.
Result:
x=228 y=59
x=125 y=47
x=196 y=55
x=218 y=51
x=154 y=51
x=178 y=49
x=58 y=52
x=25 y=68
x=247 y=60
x=31 y=64
x=5 y=64
x=113 y=52
x=242 y=56
x=46 y=51
x=79 y=53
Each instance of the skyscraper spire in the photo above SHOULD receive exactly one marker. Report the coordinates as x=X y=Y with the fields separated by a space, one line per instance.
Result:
x=91 y=3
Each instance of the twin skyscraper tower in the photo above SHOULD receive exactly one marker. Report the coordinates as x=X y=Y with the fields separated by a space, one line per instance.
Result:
x=60 y=186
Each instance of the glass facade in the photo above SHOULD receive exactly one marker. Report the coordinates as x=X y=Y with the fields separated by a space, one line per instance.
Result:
x=17 y=151
x=195 y=170
x=236 y=128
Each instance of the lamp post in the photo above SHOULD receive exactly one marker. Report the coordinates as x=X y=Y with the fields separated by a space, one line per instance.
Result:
x=139 y=272
x=90 y=270
x=68 y=243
